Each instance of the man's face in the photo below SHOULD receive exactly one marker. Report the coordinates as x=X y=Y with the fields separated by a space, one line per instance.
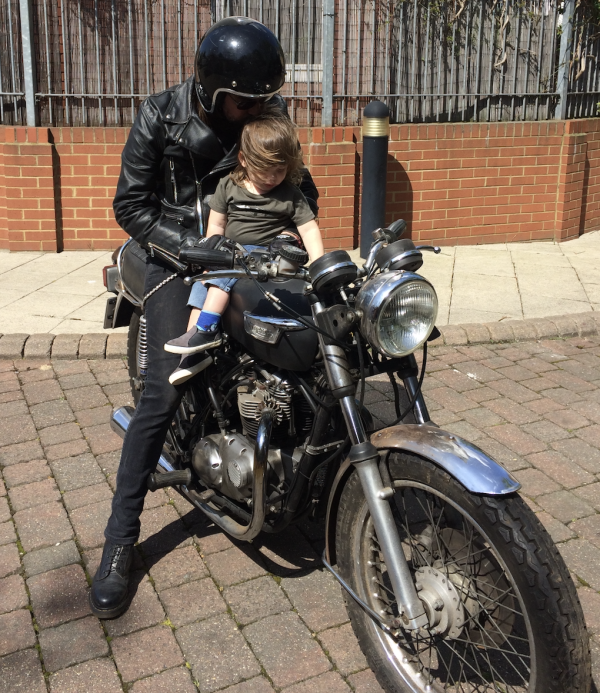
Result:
x=235 y=115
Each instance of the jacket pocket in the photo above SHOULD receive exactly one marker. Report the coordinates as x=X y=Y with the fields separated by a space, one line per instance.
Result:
x=182 y=215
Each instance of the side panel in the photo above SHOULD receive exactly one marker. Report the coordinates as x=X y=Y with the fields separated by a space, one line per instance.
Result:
x=464 y=461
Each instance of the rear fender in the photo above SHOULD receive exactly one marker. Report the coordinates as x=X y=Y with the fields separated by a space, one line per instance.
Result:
x=124 y=308
x=469 y=465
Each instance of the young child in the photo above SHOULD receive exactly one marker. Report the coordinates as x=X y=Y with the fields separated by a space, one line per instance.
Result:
x=252 y=206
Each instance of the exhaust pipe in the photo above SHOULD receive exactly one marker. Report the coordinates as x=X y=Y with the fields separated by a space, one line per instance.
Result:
x=119 y=422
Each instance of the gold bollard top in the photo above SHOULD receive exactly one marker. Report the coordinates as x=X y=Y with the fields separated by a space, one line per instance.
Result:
x=376 y=120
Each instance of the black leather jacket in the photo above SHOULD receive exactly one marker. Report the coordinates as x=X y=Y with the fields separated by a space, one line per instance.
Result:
x=171 y=163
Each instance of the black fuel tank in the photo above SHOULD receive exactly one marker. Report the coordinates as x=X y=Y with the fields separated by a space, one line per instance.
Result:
x=294 y=350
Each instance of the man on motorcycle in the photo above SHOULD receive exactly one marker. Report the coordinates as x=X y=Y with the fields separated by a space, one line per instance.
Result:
x=184 y=140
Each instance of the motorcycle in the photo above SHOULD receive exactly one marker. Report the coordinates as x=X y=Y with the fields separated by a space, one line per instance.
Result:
x=451 y=582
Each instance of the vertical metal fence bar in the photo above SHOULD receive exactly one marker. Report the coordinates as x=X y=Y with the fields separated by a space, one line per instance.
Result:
x=504 y=56
x=452 y=88
x=386 y=68
x=261 y=11
x=131 y=72
x=98 y=71
x=1 y=97
x=28 y=62
x=13 y=75
x=425 y=82
x=440 y=51
x=81 y=69
x=527 y=61
x=344 y=59
x=414 y=60
x=466 y=62
x=540 y=61
x=516 y=59
x=491 y=67
x=357 y=58
x=163 y=39
x=245 y=8
x=551 y=65
x=179 y=41
x=294 y=9
x=48 y=64
x=399 y=69
x=562 y=82
x=309 y=64
x=65 y=63
x=373 y=38
x=477 y=99
x=113 y=19
x=196 y=37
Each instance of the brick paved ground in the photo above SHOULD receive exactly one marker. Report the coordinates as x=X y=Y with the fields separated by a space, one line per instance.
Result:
x=211 y=614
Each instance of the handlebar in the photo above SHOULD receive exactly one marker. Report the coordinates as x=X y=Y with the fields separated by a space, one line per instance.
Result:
x=207 y=258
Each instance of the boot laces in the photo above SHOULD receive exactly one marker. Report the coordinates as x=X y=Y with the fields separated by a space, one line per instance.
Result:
x=115 y=557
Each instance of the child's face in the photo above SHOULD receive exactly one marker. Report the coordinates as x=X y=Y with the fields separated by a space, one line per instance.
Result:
x=266 y=179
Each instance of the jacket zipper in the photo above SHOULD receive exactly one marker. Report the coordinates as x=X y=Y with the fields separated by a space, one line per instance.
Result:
x=173 y=182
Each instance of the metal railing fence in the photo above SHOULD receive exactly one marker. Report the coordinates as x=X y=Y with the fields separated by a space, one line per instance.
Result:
x=430 y=60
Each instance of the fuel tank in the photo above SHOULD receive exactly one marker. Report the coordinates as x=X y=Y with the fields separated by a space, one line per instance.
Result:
x=267 y=333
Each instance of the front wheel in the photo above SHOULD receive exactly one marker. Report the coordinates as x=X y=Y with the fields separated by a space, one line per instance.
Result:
x=503 y=612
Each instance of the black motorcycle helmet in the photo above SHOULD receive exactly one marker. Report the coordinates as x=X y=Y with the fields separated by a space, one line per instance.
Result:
x=238 y=56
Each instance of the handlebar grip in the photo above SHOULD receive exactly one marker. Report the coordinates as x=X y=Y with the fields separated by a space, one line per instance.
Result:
x=207 y=258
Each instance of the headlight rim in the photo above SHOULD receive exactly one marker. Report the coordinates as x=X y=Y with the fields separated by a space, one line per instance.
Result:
x=372 y=302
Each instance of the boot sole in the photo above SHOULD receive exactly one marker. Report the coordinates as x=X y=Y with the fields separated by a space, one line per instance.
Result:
x=173 y=349
x=186 y=374
x=115 y=612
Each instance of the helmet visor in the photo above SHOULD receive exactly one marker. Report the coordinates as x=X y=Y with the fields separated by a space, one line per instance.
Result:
x=244 y=102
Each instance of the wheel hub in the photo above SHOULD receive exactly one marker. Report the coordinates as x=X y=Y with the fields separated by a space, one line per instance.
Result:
x=442 y=601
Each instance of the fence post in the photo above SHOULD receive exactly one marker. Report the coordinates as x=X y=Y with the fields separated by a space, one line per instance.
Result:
x=327 y=62
x=564 y=59
x=28 y=61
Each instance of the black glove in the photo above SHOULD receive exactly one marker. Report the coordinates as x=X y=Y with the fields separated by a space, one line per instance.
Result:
x=204 y=243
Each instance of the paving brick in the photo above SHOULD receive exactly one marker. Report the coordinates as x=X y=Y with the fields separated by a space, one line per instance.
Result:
x=17 y=429
x=515 y=391
x=21 y=452
x=453 y=401
x=162 y=530
x=145 y=609
x=481 y=417
x=11 y=345
x=235 y=565
x=63 y=433
x=557 y=530
x=12 y=594
x=583 y=559
x=508 y=410
x=330 y=682
x=535 y=483
x=4 y=510
x=86 y=397
x=591 y=410
x=43 y=371
x=93 y=417
x=116 y=346
x=193 y=601
x=569 y=381
x=30 y=495
x=286 y=649
x=102 y=439
x=59 y=595
x=51 y=558
x=38 y=346
x=22 y=671
x=343 y=648
x=317 y=598
x=588 y=528
x=109 y=463
x=457 y=380
x=217 y=653
x=255 y=599
x=66 y=346
x=52 y=413
x=365 y=682
x=74 y=380
x=42 y=526
x=559 y=468
x=546 y=431
x=580 y=452
x=515 y=439
x=17 y=407
x=561 y=395
x=543 y=406
x=70 y=449
x=44 y=391
x=92 y=346
x=114 y=391
x=97 y=676
x=590 y=494
x=89 y=522
x=87 y=496
x=565 y=506
x=177 y=567
x=146 y=652
x=567 y=419
x=16 y=631
x=3 y=491
x=76 y=472
x=465 y=430
x=72 y=643
x=591 y=435
x=287 y=552
x=7 y=533
x=26 y=473
x=172 y=681
x=590 y=601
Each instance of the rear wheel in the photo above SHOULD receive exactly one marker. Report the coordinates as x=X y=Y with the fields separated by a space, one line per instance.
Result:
x=503 y=612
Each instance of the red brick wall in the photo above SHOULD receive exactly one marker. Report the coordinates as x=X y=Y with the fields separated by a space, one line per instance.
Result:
x=453 y=183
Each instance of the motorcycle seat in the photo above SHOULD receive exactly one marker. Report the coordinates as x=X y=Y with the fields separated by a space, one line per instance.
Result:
x=133 y=268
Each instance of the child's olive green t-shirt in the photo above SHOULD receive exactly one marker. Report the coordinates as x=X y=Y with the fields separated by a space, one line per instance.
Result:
x=257 y=219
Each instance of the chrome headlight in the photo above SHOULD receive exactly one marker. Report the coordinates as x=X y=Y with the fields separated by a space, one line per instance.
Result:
x=398 y=312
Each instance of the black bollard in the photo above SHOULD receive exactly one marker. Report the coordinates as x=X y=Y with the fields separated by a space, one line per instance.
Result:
x=375 y=131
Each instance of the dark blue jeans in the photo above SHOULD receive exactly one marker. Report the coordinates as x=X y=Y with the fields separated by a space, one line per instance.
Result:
x=167 y=316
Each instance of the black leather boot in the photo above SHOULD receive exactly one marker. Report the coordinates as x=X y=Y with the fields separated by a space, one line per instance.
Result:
x=109 y=595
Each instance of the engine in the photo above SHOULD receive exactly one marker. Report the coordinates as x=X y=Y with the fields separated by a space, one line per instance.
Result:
x=225 y=462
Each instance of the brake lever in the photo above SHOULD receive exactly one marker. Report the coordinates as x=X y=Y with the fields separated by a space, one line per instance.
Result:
x=433 y=248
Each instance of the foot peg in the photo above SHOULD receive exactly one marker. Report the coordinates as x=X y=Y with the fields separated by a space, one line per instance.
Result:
x=178 y=478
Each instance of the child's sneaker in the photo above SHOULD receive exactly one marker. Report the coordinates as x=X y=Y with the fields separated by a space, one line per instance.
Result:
x=188 y=367
x=194 y=341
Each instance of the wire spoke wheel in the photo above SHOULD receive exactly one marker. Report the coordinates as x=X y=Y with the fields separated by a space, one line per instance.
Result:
x=488 y=596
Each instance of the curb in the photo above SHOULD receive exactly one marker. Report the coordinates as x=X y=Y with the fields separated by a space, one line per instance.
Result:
x=114 y=346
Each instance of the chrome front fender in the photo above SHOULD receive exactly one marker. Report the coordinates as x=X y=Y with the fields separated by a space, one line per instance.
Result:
x=464 y=461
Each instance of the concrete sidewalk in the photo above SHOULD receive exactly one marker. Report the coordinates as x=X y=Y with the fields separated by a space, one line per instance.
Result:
x=63 y=293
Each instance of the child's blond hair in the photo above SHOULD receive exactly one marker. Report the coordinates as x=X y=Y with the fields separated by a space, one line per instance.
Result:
x=268 y=141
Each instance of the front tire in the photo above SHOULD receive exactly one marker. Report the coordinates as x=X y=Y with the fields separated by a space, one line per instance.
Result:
x=504 y=613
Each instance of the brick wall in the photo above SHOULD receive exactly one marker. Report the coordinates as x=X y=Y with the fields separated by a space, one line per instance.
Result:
x=453 y=183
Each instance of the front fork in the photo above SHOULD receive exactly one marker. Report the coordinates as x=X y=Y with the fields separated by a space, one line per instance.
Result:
x=365 y=457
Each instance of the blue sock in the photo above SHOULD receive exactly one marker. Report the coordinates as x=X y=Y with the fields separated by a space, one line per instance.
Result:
x=208 y=322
